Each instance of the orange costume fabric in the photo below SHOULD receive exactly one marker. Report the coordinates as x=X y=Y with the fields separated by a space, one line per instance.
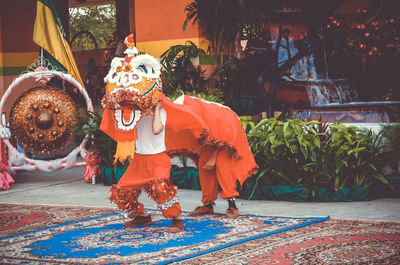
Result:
x=193 y=129
x=221 y=129
x=151 y=173
x=146 y=171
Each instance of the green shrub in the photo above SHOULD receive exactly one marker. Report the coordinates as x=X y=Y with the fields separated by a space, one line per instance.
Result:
x=213 y=95
x=88 y=124
x=247 y=123
x=390 y=152
x=313 y=154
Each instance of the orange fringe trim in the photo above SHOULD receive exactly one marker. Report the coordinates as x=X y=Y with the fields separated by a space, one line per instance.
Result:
x=184 y=152
x=124 y=151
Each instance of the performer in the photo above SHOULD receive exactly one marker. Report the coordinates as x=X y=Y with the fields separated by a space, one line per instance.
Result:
x=224 y=154
x=149 y=170
x=134 y=117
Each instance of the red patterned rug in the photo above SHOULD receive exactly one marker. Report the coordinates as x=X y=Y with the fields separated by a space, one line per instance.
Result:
x=329 y=242
x=18 y=218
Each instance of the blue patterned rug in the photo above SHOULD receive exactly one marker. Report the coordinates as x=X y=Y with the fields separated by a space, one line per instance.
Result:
x=105 y=240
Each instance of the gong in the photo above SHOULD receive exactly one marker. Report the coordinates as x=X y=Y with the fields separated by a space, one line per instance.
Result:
x=41 y=122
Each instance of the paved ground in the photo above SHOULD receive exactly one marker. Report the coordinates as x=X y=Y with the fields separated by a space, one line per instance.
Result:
x=67 y=188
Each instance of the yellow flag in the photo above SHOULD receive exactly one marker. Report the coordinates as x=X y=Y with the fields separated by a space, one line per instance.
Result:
x=47 y=33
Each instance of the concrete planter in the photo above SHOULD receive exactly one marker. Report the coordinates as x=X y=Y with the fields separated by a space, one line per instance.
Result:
x=298 y=193
x=111 y=175
x=185 y=178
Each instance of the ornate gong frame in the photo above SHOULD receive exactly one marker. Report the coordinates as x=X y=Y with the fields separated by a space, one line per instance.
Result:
x=18 y=161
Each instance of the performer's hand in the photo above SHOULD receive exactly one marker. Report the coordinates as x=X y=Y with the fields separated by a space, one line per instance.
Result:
x=159 y=104
x=5 y=132
x=212 y=160
x=210 y=164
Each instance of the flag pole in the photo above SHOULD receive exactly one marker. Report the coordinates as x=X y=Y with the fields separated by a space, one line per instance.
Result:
x=41 y=60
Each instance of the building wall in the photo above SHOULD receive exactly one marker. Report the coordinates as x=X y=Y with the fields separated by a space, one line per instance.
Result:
x=17 y=49
x=159 y=26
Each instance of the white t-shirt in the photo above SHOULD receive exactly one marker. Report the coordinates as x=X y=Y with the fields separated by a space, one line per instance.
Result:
x=148 y=143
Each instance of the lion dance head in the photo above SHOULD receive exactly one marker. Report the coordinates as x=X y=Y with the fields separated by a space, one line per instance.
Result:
x=133 y=87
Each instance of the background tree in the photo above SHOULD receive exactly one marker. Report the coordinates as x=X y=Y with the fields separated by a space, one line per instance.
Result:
x=367 y=50
x=223 y=22
x=88 y=23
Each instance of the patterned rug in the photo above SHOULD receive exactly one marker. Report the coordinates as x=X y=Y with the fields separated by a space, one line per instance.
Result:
x=18 y=218
x=329 y=242
x=103 y=239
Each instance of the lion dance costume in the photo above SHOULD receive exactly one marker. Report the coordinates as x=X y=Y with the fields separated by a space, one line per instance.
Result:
x=133 y=89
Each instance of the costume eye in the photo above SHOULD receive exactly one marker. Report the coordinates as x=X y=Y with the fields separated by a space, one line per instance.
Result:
x=142 y=68
x=119 y=69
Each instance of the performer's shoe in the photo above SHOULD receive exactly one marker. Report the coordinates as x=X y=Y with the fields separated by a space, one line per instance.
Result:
x=135 y=214
x=232 y=213
x=203 y=210
x=176 y=227
x=138 y=221
x=139 y=211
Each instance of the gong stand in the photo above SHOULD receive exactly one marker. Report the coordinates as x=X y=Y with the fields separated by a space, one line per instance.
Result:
x=41 y=121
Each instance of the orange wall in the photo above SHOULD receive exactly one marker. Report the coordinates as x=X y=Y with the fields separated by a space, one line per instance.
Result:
x=156 y=20
x=17 y=27
x=17 y=49
x=159 y=26
x=1 y=28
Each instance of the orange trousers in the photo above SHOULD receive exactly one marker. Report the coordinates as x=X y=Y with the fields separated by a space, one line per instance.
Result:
x=221 y=174
x=151 y=173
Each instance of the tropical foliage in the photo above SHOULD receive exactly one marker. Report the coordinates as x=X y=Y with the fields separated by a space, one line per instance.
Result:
x=247 y=123
x=233 y=78
x=178 y=72
x=313 y=154
x=390 y=146
x=212 y=95
x=223 y=22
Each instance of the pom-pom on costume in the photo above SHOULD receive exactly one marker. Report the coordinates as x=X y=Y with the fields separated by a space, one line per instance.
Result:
x=192 y=127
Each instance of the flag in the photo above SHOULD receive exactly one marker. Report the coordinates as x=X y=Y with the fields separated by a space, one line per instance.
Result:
x=49 y=34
